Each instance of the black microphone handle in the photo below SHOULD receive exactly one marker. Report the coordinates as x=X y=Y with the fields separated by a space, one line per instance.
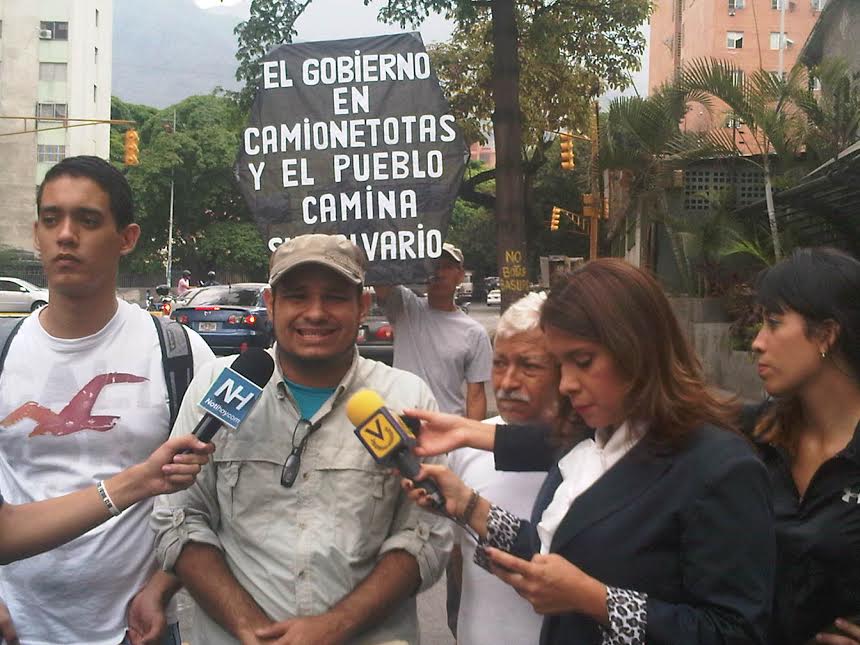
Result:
x=409 y=467
x=207 y=427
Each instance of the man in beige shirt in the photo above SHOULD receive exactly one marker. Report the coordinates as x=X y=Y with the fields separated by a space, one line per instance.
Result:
x=330 y=550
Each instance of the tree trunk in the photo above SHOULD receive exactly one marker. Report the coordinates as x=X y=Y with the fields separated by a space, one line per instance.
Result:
x=507 y=128
x=771 y=211
x=678 y=252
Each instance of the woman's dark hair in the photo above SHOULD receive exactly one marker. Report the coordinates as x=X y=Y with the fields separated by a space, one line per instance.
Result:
x=822 y=285
x=623 y=309
x=109 y=179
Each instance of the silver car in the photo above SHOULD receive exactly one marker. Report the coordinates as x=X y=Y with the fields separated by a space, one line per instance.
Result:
x=19 y=295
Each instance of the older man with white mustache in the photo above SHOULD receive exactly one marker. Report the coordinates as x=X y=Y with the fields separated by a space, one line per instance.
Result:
x=525 y=380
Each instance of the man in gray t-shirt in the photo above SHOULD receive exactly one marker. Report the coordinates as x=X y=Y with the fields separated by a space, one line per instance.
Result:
x=434 y=339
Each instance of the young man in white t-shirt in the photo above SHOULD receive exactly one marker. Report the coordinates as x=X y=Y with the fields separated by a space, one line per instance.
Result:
x=82 y=397
x=525 y=381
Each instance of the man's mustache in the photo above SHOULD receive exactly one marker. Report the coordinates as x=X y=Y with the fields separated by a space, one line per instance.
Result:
x=512 y=395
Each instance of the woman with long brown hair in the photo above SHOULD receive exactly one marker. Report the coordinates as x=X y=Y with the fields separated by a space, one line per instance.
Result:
x=808 y=435
x=654 y=525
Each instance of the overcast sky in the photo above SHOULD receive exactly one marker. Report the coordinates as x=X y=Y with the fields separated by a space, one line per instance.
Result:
x=333 y=19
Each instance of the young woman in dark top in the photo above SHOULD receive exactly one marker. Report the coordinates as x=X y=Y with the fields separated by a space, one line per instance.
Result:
x=808 y=354
x=659 y=529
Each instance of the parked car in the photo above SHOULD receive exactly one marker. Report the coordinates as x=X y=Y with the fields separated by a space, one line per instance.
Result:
x=376 y=335
x=494 y=298
x=229 y=317
x=20 y=295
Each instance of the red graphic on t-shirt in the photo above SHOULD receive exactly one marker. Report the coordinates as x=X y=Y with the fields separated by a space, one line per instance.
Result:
x=77 y=414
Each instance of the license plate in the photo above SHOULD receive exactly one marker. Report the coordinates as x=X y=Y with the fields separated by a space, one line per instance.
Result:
x=208 y=326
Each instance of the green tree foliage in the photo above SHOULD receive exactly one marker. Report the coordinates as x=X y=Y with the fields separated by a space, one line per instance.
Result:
x=270 y=24
x=199 y=156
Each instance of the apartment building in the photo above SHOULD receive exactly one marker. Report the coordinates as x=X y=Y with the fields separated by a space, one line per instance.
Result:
x=745 y=32
x=55 y=66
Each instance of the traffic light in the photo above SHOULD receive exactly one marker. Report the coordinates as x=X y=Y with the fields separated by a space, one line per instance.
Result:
x=132 y=138
x=555 y=219
x=568 y=160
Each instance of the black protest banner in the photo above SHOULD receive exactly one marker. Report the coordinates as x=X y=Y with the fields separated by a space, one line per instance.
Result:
x=354 y=137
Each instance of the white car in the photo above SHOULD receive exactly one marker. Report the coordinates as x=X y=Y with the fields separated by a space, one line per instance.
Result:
x=494 y=298
x=19 y=295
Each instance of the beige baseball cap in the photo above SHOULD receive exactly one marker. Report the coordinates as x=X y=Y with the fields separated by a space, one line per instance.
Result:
x=454 y=252
x=333 y=251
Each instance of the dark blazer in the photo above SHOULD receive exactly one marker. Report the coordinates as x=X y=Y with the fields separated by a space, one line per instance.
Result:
x=692 y=528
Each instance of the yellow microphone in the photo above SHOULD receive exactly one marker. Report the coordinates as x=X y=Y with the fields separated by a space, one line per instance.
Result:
x=388 y=439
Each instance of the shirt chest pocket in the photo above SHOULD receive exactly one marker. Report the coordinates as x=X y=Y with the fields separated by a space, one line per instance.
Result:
x=246 y=483
x=360 y=505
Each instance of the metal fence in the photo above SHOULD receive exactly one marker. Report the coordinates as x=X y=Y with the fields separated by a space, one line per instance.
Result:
x=32 y=272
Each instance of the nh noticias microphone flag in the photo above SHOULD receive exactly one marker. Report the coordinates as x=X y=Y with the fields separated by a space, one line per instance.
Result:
x=230 y=398
x=354 y=137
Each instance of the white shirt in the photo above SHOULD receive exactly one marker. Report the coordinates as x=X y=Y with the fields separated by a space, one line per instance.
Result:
x=491 y=612
x=78 y=593
x=580 y=468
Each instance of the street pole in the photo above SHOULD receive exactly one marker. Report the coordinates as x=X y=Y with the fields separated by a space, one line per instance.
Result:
x=782 y=6
x=170 y=220
x=596 y=194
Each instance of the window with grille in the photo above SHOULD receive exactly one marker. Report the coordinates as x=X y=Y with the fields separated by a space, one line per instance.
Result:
x=776 y=4
x=736 y=4
x=51 y=110
x=738 y=77
x=735 y=39
x=53 y=30
x=703 y=184
x=52 y=71
x=50 y=153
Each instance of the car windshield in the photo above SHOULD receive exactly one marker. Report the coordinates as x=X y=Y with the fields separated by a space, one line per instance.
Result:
x=226 y=295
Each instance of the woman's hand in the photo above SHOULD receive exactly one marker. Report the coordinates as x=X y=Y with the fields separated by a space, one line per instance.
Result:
x=168 y=469
x=850 y=634
x=551 y=584
x=441 y=433
x=456 y=493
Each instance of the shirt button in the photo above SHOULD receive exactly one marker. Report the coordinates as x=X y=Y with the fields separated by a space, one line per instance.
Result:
x=305 y=476
x=302 y=573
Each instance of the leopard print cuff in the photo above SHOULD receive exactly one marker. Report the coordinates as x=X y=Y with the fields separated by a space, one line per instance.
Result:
x=628 y=617
x=502 y=529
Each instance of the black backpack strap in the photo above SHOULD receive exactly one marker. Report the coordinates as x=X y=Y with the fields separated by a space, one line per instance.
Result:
x=7 y=342
x=177 y=359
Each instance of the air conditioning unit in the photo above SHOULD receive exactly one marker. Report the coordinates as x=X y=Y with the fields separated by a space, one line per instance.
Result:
x=731 y=12
x=46 y=34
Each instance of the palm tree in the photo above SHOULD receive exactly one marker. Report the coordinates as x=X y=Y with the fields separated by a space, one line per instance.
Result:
x=642 y=136
x=766 y=105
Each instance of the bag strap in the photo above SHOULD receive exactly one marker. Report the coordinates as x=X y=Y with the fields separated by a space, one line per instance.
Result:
x=177 y=359
x=7 y=343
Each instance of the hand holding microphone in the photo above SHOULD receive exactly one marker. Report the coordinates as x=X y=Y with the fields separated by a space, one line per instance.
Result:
x=389 y=440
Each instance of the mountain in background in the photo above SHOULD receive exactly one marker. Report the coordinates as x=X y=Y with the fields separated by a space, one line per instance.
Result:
x=167 y=50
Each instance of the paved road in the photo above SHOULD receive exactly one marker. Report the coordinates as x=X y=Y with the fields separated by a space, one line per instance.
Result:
x=432 y=617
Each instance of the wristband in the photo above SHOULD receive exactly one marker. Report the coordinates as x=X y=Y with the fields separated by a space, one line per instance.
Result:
x=106 y=500
x=470 y=507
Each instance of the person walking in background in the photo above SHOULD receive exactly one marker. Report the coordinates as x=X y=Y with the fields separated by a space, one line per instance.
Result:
x=434 y=339
x=655 y=525
x=808 y=435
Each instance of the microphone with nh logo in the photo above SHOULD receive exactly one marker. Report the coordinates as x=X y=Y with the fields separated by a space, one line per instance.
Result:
x=388 y=439
x=234 y=392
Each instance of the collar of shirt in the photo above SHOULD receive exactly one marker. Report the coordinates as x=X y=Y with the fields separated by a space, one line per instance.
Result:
x=284 y=392
x=581 y=467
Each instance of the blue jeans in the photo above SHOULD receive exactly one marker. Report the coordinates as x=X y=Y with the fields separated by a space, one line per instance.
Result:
x=171 y=636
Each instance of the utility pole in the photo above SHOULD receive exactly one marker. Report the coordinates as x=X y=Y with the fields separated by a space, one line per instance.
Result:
x=170 y=220
x=782 y=5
